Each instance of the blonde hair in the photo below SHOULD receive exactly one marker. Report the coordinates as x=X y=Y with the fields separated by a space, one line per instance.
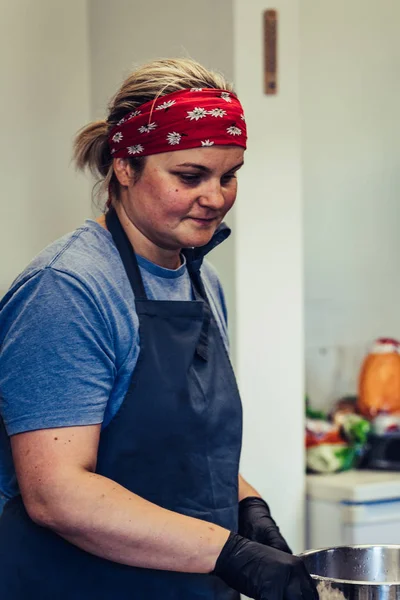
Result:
x=148 y=82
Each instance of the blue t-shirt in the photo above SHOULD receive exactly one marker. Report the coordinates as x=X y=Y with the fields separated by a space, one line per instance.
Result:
x=69 y=337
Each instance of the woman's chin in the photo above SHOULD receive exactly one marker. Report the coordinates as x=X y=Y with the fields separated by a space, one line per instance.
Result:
x=195 y=236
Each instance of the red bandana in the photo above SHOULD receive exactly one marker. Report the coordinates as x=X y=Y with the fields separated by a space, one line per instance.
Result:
x=195 y=118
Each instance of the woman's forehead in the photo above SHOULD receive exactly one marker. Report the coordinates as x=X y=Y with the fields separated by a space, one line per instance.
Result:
x=211 y=157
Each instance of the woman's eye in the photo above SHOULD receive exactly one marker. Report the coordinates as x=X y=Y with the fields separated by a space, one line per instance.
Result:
x=189 y=179
x=195 y=178
x=227 y=178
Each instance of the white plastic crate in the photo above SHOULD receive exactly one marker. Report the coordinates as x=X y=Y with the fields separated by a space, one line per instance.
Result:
x=355 y=507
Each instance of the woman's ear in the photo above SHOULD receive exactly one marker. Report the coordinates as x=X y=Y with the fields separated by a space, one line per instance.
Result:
x=123 y=171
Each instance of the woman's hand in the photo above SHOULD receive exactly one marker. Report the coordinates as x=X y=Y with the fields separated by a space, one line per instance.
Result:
x=257 y=524
x=255 y=520
x=263 y=573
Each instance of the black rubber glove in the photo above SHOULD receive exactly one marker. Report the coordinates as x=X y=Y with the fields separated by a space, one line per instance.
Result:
x=263 y=573
x=256 y=524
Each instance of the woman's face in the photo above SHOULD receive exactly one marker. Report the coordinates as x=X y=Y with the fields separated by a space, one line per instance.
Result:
x=181 y=197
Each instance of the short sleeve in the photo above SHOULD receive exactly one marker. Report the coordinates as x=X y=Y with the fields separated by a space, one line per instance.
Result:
x=57 y=358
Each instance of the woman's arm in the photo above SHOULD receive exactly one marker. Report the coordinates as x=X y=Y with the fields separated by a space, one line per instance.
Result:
x=61 y=491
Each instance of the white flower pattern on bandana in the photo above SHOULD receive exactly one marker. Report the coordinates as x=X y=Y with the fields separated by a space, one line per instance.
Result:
x=174 y=138
x=138 y=149
x=226 y=96
x=165 y=105
x=196 y=89
x=217 y=112
x=117 y=137
x=196 y=114
x=128 y=117
x=207 y=143
x=147 y=128
x=233 y=130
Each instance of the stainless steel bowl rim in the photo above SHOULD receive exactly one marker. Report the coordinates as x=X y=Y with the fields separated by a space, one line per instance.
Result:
x=352 y=581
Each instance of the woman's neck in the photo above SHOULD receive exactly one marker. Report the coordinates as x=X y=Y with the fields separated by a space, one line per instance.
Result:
x=168 y=259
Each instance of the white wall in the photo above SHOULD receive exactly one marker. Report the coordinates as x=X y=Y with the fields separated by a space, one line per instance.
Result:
x=269 y=274
x=350 y=98
x=44 y=100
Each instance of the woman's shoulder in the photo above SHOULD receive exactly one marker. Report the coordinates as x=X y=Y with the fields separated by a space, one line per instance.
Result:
x=210 y=274
x=88 y=249
x=87 y=257
x=78 y=277
x=211 y=277
x=214 y=290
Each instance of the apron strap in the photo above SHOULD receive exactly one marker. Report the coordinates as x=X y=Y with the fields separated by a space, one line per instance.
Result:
x=127 y=254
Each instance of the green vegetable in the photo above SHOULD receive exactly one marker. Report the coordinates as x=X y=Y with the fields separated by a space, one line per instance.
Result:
x=356 y=429
x=315 y=414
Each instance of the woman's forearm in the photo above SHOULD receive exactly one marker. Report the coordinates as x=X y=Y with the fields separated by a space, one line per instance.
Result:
x=103 y=518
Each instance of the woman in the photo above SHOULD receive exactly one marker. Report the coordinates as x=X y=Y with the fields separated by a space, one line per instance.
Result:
x=120 y=406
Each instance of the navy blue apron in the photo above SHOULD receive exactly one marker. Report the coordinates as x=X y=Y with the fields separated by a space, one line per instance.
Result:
x=175 y=441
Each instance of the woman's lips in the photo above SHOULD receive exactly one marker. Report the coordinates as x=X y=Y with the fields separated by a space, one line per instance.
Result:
x=202 y=221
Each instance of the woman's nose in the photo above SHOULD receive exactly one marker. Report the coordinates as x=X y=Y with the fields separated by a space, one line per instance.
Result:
x=212 y=197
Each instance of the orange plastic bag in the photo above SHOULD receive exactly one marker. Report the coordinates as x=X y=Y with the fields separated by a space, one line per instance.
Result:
x=379 y=379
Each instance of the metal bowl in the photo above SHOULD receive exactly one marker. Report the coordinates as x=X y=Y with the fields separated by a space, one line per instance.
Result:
x=355 y=572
